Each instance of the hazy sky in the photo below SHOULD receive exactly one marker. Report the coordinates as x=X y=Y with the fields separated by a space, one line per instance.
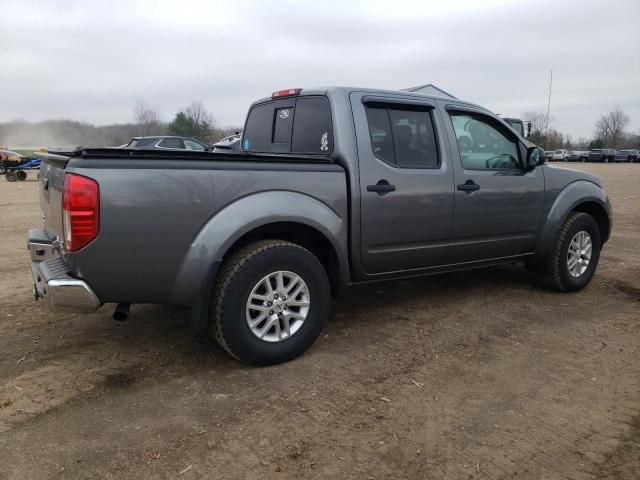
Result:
x=91 y=60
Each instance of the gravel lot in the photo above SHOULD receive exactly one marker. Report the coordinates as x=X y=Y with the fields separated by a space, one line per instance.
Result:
x=481 y=374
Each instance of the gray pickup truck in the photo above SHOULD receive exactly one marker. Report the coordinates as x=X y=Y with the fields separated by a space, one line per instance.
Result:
x=332 y=187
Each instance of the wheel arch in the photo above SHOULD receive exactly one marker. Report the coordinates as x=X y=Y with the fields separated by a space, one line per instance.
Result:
x=301 y=234
x=580 y=196
x=599 y=213
x=284 y=215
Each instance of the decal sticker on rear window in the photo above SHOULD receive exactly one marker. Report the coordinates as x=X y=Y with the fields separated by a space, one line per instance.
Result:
x=324 y=142
x=283 y=112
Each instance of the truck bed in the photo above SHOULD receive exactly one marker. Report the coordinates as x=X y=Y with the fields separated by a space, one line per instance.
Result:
x=159 y=210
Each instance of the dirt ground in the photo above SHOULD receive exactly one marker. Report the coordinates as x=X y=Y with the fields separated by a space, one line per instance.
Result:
x=477 y=375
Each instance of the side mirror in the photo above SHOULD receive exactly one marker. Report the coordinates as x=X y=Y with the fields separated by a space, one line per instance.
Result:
x=535 y=157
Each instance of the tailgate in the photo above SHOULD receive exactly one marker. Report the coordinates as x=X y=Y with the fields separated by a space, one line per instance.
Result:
x=51 y=185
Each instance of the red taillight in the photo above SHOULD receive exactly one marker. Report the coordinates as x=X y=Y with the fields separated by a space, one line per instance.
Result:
x=290 y=92
x=80 y=211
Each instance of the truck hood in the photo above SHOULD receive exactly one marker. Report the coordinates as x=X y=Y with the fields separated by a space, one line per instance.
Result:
x=560 y=176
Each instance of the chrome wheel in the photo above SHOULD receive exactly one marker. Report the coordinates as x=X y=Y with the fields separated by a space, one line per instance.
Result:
x=277 y=306
x=579 y=254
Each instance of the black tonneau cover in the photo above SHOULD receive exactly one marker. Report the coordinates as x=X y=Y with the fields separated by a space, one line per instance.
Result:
x=124 y=153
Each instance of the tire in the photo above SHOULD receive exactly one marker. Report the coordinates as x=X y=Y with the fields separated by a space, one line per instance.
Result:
x=558 y=276
x=241 y=275
x=11 y=176
x=22 y=175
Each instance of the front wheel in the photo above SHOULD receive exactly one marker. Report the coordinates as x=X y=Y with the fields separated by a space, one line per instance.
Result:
x=575 y=255
x=271 y=300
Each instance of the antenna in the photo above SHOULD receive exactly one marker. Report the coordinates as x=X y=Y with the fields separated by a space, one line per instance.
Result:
x=546 y=127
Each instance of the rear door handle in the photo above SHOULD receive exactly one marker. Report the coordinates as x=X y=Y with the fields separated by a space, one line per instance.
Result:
x=381 y=187
x=468 y=186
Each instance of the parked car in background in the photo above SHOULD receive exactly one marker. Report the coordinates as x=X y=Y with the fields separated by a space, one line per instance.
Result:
x=627 y=156
x=560 y=155
x=578 y=156
x=604 y=155
x=230 y=144
x=166 y=142
x=548 y=155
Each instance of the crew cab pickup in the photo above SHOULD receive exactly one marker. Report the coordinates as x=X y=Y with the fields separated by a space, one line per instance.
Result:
x=332 y=187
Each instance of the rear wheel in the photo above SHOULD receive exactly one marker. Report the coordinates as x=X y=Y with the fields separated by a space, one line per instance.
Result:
x=270 y=303
x=22 y=175
x=575 y=255
x=11 y=176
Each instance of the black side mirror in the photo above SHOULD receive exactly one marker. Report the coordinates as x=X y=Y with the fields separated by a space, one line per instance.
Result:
x=535 y=157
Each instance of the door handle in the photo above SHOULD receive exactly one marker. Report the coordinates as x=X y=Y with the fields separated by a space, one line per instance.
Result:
x=381 y=187
x=468 y=186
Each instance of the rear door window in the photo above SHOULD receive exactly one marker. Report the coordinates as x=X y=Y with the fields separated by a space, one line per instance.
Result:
x=380 y=133
x=171 y=143
x=403 y=135
x=295 y=125
x=193 y=145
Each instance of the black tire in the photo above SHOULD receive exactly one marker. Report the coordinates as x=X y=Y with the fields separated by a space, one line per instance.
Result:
x=557 y=276
x=11 y=176
x=22 y=175
x=239 y=274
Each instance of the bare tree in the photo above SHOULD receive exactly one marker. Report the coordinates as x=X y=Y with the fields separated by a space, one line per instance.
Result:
x=199 y=114
x=610 y=127
x=194 y=121
x=538 y=120
x=147 y=119
x=539 y=127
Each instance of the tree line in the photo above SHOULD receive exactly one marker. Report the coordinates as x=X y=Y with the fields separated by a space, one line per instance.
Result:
x=193 y=120
x=609 y=132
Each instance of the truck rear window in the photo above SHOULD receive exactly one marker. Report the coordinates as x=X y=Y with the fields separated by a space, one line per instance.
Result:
x=290 y=125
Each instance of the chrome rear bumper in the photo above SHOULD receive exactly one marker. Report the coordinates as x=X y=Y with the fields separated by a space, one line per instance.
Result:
x=51 y=279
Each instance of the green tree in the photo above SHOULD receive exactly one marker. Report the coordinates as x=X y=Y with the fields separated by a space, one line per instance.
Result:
x=193 y=121
x=596 y=143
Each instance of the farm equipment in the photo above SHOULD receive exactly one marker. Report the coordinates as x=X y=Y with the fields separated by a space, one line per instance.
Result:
x=14 y=168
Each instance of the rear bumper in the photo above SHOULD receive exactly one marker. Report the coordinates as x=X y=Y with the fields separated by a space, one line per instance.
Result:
x=52 y=281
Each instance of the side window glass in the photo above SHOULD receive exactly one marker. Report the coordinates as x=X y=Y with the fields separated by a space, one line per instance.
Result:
x=380 y=132
x=192 y=145
x=482 y=145
x=414 y=138
x=172 y=143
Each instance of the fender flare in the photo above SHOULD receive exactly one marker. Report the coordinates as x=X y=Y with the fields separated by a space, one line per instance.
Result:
x=571 y=196
x=220 y=232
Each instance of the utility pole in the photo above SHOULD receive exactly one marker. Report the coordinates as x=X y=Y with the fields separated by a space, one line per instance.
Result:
x=546 y=127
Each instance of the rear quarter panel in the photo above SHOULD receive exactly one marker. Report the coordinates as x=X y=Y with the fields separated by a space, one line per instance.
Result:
x=152 y=217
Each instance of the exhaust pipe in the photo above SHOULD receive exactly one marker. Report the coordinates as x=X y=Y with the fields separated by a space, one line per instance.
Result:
x=121 y=312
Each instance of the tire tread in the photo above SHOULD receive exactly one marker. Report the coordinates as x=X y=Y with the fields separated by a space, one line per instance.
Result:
x=552 y=277
x=229 y=269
